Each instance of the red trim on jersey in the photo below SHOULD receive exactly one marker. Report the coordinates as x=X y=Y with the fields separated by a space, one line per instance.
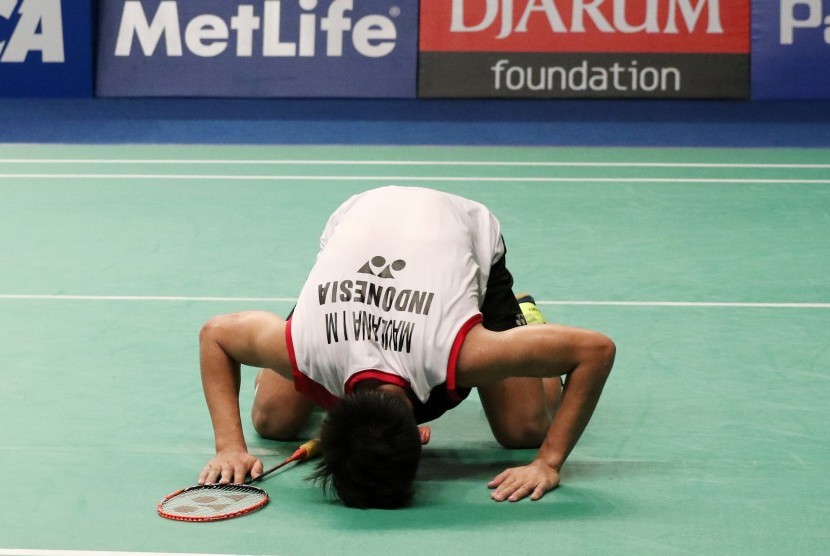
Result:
x=456 y=349
x=375 y=374
x=313 y=390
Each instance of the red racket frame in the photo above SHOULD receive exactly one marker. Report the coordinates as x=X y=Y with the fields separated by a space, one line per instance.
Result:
x=303 y=453
x=229 y=515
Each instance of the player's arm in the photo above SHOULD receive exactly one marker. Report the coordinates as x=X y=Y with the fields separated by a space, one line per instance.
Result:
x=225 y=343
x=585 y=357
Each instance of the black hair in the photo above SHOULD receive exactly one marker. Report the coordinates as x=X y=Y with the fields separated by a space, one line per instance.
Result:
x=370 y=448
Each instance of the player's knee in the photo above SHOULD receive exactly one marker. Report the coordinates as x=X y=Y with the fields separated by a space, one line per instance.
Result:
x=526 y=432
x=273 y=426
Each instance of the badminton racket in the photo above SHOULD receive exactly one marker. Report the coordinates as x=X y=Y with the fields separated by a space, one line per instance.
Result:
x=214 y=502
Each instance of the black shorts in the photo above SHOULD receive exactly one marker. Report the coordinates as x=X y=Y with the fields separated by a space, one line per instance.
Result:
x=500 y=309
x=501 y=312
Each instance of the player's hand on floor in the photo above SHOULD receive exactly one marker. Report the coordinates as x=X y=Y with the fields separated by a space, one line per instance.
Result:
x=230 y=467
x=532 y=480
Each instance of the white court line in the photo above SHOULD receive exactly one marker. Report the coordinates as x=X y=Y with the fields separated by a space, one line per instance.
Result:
x=36 y=552
x=736 y=304
x=48 y=297
x=551 y=164
x=760 y=305
x=393 y=179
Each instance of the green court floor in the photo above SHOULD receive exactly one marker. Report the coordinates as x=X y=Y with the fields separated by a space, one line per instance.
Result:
x=709 y=268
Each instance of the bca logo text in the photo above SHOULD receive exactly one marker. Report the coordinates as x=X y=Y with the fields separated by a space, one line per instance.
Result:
x=31 y=26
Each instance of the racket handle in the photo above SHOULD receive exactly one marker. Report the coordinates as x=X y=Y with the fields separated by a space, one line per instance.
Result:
x=304 y=452
x=307 y=450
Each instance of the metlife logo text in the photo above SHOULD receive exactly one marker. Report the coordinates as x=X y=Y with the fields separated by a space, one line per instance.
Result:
x=264 y=27
x=31 y=27
x=258 y=48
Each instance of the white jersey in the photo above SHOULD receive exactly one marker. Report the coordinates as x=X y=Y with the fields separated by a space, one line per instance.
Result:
x=398 y=282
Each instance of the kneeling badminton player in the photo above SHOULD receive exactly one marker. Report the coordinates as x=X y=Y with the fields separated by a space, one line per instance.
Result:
x=408 y=307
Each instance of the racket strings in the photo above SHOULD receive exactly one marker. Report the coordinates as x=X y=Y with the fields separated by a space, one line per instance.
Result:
x=212 y=501
x=223 y=501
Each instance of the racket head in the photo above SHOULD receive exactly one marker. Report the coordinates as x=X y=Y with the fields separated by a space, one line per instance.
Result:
x=213 y=502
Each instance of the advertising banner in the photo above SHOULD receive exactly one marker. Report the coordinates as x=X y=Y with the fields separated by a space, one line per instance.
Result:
x=257 y=48
x=791 y=49
x=45 y=48
x=582 y=48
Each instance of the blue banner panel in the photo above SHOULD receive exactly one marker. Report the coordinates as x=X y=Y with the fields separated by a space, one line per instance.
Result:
x=258 y=48
x=791 y=49
x=45 y=48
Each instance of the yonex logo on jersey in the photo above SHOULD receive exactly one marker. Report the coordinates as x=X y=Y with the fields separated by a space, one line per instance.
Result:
x=37 y=26
x=377 y=267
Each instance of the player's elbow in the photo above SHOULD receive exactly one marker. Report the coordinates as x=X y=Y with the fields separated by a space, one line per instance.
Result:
x=600 y=350
x=212 y=330
x=208 y=330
